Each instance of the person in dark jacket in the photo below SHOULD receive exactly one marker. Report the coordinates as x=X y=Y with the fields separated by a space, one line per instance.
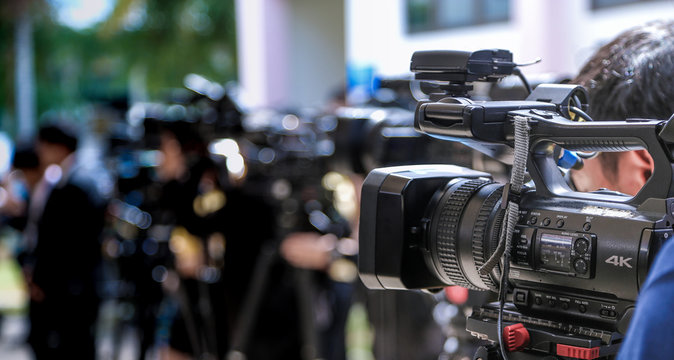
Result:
x=631 y=77
x=217 y=232
x=63 y=296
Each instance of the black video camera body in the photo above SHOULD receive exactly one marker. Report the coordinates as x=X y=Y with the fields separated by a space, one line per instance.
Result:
x=578 y=259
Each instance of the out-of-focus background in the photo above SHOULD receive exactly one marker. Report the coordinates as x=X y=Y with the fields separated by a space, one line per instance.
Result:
x=291 y=102
x=67 y=54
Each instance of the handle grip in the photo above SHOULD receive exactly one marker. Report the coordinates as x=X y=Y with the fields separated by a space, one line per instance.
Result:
x=608 y=136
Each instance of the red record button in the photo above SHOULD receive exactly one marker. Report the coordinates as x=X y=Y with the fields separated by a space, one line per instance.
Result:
x=577 y=352
x=516 y=337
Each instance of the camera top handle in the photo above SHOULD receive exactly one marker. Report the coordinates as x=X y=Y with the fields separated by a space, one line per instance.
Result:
x=488 y=126
x=548 y=129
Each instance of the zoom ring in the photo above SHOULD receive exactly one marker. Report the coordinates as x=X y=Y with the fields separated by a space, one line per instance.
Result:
x=479 y=234
x=448 y=228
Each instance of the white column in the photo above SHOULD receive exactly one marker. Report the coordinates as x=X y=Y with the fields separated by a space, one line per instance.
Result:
x=262 y=44
x=552 y=30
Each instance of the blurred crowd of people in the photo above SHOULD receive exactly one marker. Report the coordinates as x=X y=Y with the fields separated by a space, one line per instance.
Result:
x=61 y=214
x=221 y=238
x=185 y=263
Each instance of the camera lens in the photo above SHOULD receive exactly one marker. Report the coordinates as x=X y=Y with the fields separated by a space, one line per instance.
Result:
x=464 y=223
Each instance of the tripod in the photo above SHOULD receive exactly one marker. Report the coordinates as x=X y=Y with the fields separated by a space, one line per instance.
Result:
x=253 y=302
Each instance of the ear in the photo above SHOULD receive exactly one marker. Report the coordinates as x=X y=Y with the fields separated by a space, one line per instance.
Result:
x=634 y=169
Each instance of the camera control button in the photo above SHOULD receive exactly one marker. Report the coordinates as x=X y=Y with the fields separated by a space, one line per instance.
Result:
x=560 y=223
x=608 y=313
x=565 y=305
x=546 y=221
x=538 y=300
x=581 y=246
x=582 y=308
x=587 y=226
x=533 y=220
x=580 y=265
x=552 y=303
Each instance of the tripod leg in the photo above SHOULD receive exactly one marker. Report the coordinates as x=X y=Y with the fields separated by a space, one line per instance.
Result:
x=188 y=317
x=206 y=311
x=252 y=301
x=305 y=298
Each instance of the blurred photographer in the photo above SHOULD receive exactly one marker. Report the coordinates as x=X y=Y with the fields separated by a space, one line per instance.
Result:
x=632 y=77
x=24 y=194
x=217 y=231
x=64 y=300
x=22 y=197
x=312 y=270
x=331 y=261
x=17 y=187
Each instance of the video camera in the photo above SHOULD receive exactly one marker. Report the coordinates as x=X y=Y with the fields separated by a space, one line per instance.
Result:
x=371 y=137
x=288 y=156
x=576 y=261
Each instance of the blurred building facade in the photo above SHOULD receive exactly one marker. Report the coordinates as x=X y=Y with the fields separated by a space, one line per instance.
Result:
x=290 y=52
x=298 y=51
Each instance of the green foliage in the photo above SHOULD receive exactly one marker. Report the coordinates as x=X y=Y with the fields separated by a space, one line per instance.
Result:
x=6 y=66
x=176 y=37
x=164 y=40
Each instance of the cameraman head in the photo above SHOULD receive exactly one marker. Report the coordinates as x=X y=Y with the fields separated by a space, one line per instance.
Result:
x=630 y=77
x=56 y=142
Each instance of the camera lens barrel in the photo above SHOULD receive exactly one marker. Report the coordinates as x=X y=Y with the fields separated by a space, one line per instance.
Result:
x=463 y=226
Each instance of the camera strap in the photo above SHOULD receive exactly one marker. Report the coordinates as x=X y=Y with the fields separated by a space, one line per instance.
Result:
x=511 y=193
x=510 y=202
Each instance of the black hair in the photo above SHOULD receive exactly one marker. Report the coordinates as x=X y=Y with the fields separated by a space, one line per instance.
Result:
x=58 y=133
x=25 y=157
x=632 y=76
x=187 y=135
